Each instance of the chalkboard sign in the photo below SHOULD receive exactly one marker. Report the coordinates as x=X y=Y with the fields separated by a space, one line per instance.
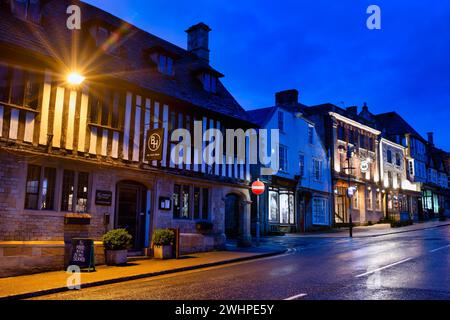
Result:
x=82 y=254
x=103 y=198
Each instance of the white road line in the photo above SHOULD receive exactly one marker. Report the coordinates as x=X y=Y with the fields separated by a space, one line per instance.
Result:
x=447 y=246
x=301 y=295
x=382 y=268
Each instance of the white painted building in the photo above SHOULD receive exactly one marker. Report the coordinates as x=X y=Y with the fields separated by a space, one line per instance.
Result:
x=298 y=197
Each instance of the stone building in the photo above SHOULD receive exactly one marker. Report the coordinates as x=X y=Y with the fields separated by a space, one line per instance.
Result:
x=348 y=134
x=298 y=198
x=73 y=153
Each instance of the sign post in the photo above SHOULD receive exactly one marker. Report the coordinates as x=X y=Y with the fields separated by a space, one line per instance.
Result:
x=258 y=189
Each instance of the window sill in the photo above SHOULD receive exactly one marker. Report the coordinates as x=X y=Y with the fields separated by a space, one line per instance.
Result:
x=15 y=106
x=105 y=127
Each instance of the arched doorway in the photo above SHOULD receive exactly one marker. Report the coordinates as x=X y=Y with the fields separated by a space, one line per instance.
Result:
x=131 y=214
x=232 y=221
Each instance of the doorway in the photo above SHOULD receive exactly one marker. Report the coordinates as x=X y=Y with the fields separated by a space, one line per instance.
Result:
x=131 y=211
x=232 y=209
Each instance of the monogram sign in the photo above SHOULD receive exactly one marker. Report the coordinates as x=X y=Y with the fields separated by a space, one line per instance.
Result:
x=154 y=145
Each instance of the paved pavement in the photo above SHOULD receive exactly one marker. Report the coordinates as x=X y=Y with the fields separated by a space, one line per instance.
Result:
x=51 y=282
x=407 y=265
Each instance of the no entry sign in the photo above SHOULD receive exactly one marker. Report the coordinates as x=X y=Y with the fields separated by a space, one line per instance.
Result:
x=258 y=187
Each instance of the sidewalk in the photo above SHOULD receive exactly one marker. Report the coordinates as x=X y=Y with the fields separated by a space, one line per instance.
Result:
x=374 y=230
x=27 y=286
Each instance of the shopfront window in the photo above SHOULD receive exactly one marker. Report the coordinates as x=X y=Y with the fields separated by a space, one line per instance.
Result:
x=187 y=198
x=281 y=207
x=75 y=191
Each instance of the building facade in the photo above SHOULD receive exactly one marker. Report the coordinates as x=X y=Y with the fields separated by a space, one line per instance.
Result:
x=400 y=194
x=298 y=197
x=353 y=143
x=73 y=157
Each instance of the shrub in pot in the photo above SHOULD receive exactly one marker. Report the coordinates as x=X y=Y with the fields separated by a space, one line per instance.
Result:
x=163 y=240
x=116 y=243
x=204 y=226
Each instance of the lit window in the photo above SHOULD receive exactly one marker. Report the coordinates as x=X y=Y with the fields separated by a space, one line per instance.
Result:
x=281 y=207
x=75 y=192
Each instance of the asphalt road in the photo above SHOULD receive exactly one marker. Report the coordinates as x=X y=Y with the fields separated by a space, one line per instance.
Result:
x=412 y=265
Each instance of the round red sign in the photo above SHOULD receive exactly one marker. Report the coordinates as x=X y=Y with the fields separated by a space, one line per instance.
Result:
x=258 y=187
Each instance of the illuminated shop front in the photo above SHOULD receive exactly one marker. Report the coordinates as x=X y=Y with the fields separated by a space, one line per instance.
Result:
x=281 y=207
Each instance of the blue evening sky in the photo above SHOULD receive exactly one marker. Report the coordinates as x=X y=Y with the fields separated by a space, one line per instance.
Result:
x=322 y=48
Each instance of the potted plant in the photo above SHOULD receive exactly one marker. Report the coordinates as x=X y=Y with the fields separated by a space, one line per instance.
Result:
x=116 y=243
x=204 y=226
x=163 y=240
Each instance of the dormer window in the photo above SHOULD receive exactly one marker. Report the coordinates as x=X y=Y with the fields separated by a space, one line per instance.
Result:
x=27 y=9
x=209 y=82
x=165 y=64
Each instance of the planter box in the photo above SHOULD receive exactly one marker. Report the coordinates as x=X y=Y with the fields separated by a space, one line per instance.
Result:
x=162 y=252
x=79 y=219
x=116 y=257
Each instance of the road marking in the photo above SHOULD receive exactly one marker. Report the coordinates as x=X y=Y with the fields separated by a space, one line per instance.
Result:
x=301 y=295
x=382 y=268
x=447 y=246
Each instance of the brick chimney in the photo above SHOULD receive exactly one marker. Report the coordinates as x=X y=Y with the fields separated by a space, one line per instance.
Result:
x=287 y=98
x=431 y=138
x=198 y=40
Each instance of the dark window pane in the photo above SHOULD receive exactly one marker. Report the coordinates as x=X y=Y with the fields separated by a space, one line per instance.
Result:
x=32 y=90
x=4 y=83
x=82 y=192
x=205 y=204
x=95 y=109
x=32 y=187
x=67 y=190
x=48 y=189
x=196 y=203
x=105 y=109
x=17 y=90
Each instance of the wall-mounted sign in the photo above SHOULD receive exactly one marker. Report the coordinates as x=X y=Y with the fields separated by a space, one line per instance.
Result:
x=165 y=203
x=103 y=198
x=154 y=144
x=364 y=166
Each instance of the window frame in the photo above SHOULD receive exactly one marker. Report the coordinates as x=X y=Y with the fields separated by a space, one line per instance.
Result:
x=75 y=191
x=39 y=201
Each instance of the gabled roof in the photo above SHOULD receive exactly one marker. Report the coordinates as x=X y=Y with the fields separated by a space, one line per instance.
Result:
x=261 y=116
x=52 y=39
x=393 y=124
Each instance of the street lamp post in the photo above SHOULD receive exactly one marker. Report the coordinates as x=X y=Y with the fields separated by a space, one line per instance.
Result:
x=349 y=150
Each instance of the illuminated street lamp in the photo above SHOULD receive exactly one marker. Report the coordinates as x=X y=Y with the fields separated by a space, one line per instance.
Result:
x=75 y=78
x=351 y=190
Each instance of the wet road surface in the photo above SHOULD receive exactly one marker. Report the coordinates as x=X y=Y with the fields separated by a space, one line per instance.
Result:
x=412 y=265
